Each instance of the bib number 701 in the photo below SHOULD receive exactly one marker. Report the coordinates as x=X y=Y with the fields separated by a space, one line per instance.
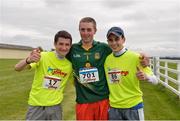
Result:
x=88 y=75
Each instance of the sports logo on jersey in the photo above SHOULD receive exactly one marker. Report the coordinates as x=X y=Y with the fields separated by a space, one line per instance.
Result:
x=56 y=71
x=97 y=56
x=76 y=55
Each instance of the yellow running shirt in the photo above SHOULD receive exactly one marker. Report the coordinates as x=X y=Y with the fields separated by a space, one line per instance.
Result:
x=122 y=81
x=51 y=76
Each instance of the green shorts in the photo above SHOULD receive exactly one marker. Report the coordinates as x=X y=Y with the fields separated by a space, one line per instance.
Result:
x=44 y=113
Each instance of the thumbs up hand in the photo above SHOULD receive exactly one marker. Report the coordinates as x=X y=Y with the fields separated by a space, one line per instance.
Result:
x=140 y=74
x=144 y=60
x=34 y=56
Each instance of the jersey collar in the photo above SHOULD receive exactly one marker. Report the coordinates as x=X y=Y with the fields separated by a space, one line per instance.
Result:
x=94 y=43
x=121 y=52
x=59 y=56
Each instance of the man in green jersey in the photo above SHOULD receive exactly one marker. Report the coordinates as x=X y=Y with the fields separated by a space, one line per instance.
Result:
x=123 y=72
x=88 y=57
x=52 y=71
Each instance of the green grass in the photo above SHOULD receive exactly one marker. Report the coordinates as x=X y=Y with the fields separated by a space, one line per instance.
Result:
x=160 y=103
x=14 y=92
x=166 y=105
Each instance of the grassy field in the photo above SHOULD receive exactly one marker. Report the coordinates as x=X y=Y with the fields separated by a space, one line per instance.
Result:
x=160 y=103
x=14 y=91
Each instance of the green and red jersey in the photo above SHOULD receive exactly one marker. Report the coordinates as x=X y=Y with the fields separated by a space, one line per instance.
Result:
x=88 y=64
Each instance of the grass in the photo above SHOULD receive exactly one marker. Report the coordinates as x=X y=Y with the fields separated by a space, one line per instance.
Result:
x=160 y=103
x=14 y=92
x=165 y=103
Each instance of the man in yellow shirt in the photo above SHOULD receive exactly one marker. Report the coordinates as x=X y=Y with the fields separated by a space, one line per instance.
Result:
x=123 y=72
x=52 y=71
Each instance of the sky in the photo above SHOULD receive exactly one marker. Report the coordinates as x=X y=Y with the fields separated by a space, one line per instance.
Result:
x=150 y=26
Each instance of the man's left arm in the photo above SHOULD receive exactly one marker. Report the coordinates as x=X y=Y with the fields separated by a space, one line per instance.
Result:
x=146 y=74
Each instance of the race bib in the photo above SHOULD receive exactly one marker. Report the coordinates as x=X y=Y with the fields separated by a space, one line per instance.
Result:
x=114 y=76
x=51 y=82
x=87 y=75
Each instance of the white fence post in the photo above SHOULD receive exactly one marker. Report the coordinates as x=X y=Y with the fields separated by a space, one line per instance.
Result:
x=157 y=67
x=166 y=71
x=154 y=66
x=178 y=77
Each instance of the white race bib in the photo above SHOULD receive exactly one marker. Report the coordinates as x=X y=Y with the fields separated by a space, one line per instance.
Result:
x=51 y=82
x=87 y=75
x=114 y=76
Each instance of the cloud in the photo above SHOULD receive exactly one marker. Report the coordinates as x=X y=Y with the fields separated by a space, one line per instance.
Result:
x=158 y=51
x=147 y=24
x=118 y=4
x=21 y=38
x=163 y=52
x=56 y=3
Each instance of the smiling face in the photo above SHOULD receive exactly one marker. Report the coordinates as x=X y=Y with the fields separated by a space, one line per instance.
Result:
x=62 y=46
x=115 y=43
x=87 y=31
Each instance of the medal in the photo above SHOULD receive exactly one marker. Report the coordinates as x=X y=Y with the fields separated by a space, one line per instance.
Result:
x=87 y=65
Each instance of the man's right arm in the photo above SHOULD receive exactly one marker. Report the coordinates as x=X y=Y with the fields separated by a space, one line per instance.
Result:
x=21 y=65
x=34 y=56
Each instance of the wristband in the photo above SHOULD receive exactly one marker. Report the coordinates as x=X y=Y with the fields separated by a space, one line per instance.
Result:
x=27 y=61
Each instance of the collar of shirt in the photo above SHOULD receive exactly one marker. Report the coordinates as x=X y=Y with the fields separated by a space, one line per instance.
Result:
x=119 y=53
x=59 y=56
x=94 y=43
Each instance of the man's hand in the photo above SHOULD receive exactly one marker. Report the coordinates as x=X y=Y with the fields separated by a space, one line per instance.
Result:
x=144 y=60
x=34 y=56
x=141 y=75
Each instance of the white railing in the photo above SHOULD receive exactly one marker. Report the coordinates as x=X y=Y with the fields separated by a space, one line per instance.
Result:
x=167 y=76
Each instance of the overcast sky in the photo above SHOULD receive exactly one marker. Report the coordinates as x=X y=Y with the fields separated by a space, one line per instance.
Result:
x=151 y=26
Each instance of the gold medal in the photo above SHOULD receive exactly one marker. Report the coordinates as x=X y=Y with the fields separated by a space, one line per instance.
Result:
x=88 y=65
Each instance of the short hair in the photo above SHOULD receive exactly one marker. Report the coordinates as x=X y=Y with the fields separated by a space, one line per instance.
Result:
x=88 y=19
x=63 y=34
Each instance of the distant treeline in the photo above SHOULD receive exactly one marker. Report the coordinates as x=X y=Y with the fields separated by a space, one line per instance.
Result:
x=172 y=58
